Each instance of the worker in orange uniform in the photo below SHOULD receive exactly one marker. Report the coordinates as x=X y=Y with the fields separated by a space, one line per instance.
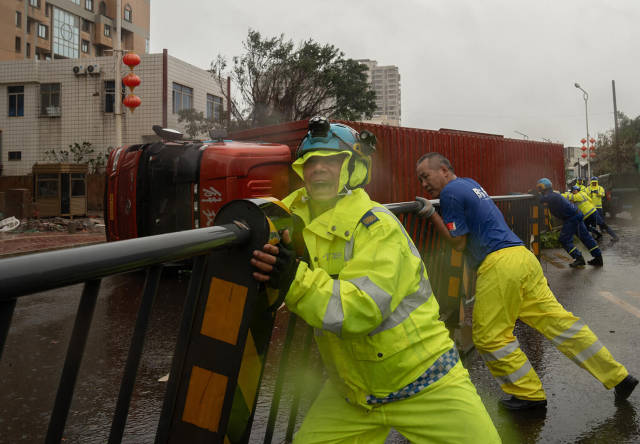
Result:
x=510 y=286
x=366 y=292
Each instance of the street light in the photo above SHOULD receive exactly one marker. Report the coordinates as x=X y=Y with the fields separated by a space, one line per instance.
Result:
x=522 y=134
x=585 y=96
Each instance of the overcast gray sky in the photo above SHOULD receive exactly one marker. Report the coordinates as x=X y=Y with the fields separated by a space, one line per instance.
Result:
x=495 y=66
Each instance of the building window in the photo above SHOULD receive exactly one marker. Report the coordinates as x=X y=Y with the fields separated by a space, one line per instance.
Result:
x=43 y=32
x=86 y=25
x=47 y=185
x=77 y=185
x=110 y=95
x=50 y=99
x=76 y=2
x=88 y=5
x=85 y=46
x=182 y=97
x=19 y=19
x=34 y=3
x=15 y=155
x=214 y=108
x=146 y=46
x=18 y=44
x=103 y=8
x=29 y=23
x=28 y=50
x=107 y=30
x=128 y=13
x=66 y=34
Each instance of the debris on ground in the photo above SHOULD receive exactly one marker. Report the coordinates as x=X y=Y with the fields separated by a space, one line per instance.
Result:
x=61 y=224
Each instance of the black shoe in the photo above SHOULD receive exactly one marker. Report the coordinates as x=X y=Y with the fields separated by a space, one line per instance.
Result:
x=625 y=387
x=579 y=262
x=514 y=403
x=596 y=261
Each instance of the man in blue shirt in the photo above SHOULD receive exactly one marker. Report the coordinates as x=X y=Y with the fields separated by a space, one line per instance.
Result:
x=572 y=224
x=510 y=285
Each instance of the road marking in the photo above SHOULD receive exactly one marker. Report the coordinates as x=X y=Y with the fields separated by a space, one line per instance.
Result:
x=628 y=307
x=633 y=293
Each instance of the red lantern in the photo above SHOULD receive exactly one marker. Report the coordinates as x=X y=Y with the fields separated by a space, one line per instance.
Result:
x=592 y=140
x=593 y=154
x=592 y=148
x=582 y=141
x=131 y=80
x=131 y=60
x=584 y=155
x=132 y=102
x=584 y=148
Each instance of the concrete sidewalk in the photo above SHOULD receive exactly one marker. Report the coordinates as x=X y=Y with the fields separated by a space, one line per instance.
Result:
x=25 y=243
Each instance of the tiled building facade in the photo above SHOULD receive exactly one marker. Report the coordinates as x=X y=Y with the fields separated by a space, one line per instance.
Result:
x=51 y=29
x=45 y=105
x=385 y=81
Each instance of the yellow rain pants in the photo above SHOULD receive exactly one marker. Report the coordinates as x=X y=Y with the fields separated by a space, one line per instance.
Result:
x=448 y=410
x=511 y=285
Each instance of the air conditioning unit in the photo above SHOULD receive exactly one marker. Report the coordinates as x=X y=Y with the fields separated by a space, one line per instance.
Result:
x=78 y=70
x=53 y=111
x=93 y=69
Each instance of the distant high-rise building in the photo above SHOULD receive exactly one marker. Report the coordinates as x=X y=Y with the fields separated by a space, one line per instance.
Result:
x=385 y=81
x=53 y=29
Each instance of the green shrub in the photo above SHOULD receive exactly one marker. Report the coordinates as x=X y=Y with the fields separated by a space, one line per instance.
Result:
x=549 y=239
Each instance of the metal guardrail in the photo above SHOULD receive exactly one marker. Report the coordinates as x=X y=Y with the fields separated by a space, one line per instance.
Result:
x=24 y=275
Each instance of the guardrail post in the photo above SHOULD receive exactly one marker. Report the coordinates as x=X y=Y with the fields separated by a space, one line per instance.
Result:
x=216 y=390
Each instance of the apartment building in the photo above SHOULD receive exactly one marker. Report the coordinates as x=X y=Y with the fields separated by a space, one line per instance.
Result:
x=385 y=81
x=49 y=104
x=52 y=29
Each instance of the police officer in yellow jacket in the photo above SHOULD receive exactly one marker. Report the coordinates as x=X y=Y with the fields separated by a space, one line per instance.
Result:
x=365 y=290
x=596 y=193
x=590 y=213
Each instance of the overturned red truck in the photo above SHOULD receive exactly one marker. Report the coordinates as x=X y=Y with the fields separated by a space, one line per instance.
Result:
x=177 y=185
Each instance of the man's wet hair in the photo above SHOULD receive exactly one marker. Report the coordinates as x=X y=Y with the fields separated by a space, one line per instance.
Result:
x=435 y=157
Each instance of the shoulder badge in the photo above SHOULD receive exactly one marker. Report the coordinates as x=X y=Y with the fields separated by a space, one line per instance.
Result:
x=369 y=219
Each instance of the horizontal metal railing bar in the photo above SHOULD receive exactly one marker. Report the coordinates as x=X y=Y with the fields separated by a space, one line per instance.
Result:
x=31 y=273
x=413 y=206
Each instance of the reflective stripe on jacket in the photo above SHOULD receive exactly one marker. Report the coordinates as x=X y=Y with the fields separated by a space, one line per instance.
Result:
x=367 y=294
x=581 y=199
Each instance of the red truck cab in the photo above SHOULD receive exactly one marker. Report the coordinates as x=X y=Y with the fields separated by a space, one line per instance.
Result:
x=171 y=186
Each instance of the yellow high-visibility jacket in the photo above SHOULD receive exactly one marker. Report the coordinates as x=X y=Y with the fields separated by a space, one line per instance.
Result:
x=367 y=294
x=596 y=193
x=581 y=199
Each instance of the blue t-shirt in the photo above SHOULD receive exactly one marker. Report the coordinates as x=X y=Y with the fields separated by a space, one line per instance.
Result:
x=467 y=209
x=559 y=206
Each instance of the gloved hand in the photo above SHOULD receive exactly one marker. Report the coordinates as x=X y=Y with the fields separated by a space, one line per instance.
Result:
x=284 y=270
x=276 y=264
x=427 y=209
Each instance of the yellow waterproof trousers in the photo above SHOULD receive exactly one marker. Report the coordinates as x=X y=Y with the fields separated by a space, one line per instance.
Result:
x=447 y=411
x=511 y=285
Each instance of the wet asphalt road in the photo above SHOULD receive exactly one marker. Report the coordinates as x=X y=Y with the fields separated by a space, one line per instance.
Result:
x=580 y=410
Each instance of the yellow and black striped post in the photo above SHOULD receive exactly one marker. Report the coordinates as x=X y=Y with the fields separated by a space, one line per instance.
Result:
x=217 y=385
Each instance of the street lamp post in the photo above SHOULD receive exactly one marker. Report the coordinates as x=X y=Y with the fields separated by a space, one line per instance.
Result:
x=585 y=96
x=522 y=134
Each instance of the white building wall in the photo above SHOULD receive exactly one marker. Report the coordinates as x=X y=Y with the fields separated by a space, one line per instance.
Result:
x=82 y=105
x=385 y=81
x=198 y=79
